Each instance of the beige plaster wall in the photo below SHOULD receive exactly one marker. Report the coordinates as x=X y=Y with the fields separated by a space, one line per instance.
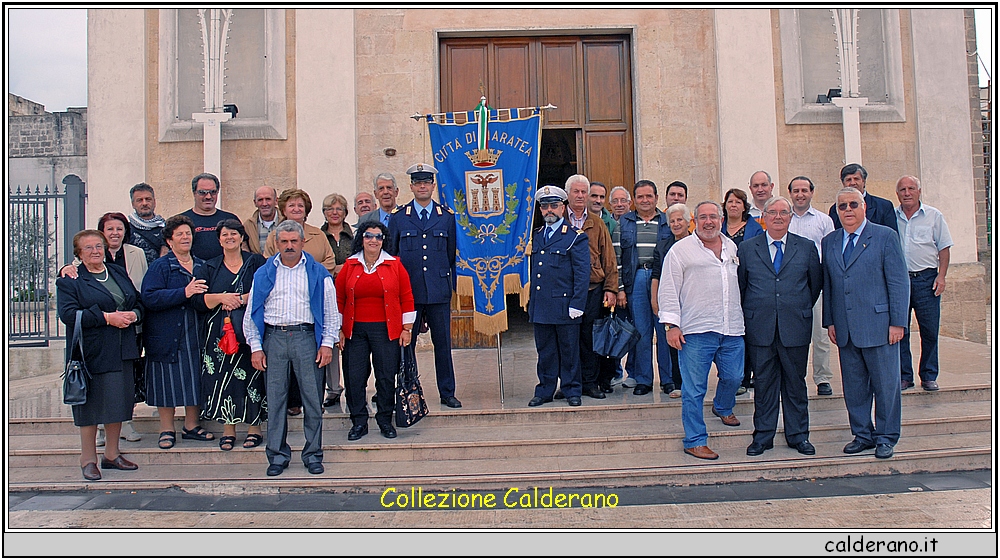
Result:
x=246 y=164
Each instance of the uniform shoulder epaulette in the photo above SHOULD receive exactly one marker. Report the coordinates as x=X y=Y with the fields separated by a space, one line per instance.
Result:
x=398 y=208
x=565 y=228
x=446 y=209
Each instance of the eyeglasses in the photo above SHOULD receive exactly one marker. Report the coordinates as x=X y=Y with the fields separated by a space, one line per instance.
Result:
x=782 y=213
x=376 y=236
x=853 y=204
x=704 y=217
x=335 y=209
x=201 y=192
x=422 y=182
x=89 y=248
x=544 y=205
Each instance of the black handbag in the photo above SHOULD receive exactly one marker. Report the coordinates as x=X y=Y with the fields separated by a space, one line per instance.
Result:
x=614 y=336
x=410 y=403
x=76 y=375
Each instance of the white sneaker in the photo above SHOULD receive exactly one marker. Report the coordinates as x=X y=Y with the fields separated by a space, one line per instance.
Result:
x=100 y=436
x=628 y=383
x=129 y=433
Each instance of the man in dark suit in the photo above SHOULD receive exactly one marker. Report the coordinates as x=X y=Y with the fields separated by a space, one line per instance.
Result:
x=423 y=237
x=780 y=278
x=878 y=210
x=560 y=277
x=386 y=192
x=866 y=294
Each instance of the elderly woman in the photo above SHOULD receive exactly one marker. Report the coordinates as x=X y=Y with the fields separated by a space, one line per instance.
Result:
x=173 y=344
x=679 y=218
x=110 y=313
x=376 y=300
x=234 y=390
x=340 y=236
x=738 y=225
x=295 y=204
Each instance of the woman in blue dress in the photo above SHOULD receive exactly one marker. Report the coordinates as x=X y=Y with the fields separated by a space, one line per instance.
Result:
x=173 y=344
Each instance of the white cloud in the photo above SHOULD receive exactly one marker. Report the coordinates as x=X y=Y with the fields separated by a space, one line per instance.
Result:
x=47 y=56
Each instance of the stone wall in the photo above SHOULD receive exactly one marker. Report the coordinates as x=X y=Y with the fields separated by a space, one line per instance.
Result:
x=975 y=107
x=965 y=304
x=48 y=134
x=19 y=106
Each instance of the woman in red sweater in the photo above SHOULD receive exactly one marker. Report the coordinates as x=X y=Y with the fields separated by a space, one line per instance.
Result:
x=375 y=298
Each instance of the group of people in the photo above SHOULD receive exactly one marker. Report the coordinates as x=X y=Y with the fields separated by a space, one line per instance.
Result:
x=237 y=320
x=242 y=322
x=738 y=284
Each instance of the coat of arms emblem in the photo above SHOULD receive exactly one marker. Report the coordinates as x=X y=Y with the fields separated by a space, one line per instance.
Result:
x=484 y=191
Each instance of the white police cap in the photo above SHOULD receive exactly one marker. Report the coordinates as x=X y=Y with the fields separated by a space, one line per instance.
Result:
x=550 y=193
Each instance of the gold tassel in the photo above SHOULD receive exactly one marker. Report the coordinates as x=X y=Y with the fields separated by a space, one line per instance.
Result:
x=465 y=287
x=490 y=325
x=512 y=284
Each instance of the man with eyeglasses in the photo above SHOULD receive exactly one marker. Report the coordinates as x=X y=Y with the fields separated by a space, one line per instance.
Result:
x=866 y=296
x=699 y=299
x=424 y=238
x=780 y=279
x=206 y=216
x=264 y=219
x=877 y=209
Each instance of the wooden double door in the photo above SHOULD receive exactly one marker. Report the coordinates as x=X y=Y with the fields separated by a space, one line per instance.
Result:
x=588 y=78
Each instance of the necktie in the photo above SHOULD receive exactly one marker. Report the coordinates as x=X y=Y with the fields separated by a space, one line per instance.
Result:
x=778 y=255
x=849 y=248
x=423 y=215
x=548 y=233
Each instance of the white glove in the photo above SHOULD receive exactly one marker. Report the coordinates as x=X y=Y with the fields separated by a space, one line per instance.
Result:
x=574 y=313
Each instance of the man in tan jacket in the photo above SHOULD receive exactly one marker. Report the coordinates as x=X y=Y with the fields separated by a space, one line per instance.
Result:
x=603 y=289
x=263 y=220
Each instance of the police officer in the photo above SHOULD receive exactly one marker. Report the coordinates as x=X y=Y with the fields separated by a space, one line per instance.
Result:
x=560 y=276
x=423 y=237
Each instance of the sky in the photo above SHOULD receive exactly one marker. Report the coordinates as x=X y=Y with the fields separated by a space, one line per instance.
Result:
x=47 y=55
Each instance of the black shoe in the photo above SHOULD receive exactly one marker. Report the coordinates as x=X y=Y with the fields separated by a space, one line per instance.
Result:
x=757 y=448
x=642 y=389
x=883 y=451
x=667 y=388
x=606 y=388
x=574 y=401
x=331 y=401
x=857 y=447
x=375 y=397
x=538 y=401
x=929 y=385
x=357 y=432
x=824 y=389
x=388 y=432
x=558 y=395
x=804 y=447
x=594 y=393
x=315 y=468
x=451 y=402
x=275 y=470
x=904 y=385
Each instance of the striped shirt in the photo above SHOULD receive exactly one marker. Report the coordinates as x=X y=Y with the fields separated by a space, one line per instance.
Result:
x=288 y=304
x=646 y=236
x=616 y=243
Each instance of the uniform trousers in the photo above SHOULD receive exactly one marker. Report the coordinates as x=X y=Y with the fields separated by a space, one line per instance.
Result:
x=438 y=318
x=558 y=359
x=293 y=353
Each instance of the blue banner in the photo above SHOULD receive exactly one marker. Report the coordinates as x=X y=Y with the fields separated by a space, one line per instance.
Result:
x=487 y=170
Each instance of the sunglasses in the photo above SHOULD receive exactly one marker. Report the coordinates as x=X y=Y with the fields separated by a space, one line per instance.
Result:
x=853 y=204
x=212 y=192
x=376 y=236
x=544 y=205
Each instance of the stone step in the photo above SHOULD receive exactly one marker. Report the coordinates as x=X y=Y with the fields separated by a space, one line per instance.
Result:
x=937 y=453
x=557 y=412
x=436 y=444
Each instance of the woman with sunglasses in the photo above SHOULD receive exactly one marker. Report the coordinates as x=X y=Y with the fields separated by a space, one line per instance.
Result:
x=376 y=300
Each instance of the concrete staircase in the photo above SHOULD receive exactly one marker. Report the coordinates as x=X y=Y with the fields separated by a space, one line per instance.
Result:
x=554 y=445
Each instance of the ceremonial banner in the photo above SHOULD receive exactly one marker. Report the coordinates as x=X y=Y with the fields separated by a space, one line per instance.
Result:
x=487 y=161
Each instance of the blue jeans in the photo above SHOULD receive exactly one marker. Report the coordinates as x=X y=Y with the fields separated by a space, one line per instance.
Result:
x=639 y=364
x=927 y=306
x=696 y=357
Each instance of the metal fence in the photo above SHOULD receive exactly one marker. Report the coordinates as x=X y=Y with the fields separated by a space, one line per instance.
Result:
x=41 y=224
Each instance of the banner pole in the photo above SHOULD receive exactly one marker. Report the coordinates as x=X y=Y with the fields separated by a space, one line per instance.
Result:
x=500 y=367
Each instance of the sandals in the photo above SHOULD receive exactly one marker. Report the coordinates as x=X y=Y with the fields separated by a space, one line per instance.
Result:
x=226 y=443
x=252 y=440
x=167 y=440
x=198 y=433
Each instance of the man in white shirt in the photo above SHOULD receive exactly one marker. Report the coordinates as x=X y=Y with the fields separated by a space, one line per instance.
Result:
x=761 y=188
x=814 y=226
x=292 y=318
x=699 y=276
x=927 y=250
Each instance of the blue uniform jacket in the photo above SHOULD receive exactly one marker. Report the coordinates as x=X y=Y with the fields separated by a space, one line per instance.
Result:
x=630 y=257
x=560 y=275
x=427 y=251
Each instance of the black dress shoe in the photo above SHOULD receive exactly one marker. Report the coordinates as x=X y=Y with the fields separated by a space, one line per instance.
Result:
x=388 y=432
x=606 y=388
x=90 y=471
x=666 y=388
x=558 y=395
x=594 y=393
x=857 y=447
x=357 y=432
x=929 y=385
x=315 y=468
x=451 y=402
x=275 y=470
x=332 y=401
x=120 y=463
x=804 y=447
x=757 y=448
x=824 y=389
x=642 y=389
x=883 y=451
x=574 y=401
x=904 y=385
x=538 y=401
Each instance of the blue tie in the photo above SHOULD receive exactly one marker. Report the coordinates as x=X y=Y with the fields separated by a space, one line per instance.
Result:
x=548 y=233
x=423 y=215
x=778 y=255
x=849 y=249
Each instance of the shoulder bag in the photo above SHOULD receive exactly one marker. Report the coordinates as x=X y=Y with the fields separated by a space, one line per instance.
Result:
x=76 y=375
x=410 y=403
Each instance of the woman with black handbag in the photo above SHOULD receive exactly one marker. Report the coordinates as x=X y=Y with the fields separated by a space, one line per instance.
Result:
x=110 y=312
x=376 y=300
x=234 y=390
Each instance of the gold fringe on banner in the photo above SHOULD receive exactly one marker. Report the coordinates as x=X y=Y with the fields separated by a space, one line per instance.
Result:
x=490 y=325
x=464 y=286
x=512 y=284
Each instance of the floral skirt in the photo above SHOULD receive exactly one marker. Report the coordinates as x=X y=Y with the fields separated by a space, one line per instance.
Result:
x=234 y=390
